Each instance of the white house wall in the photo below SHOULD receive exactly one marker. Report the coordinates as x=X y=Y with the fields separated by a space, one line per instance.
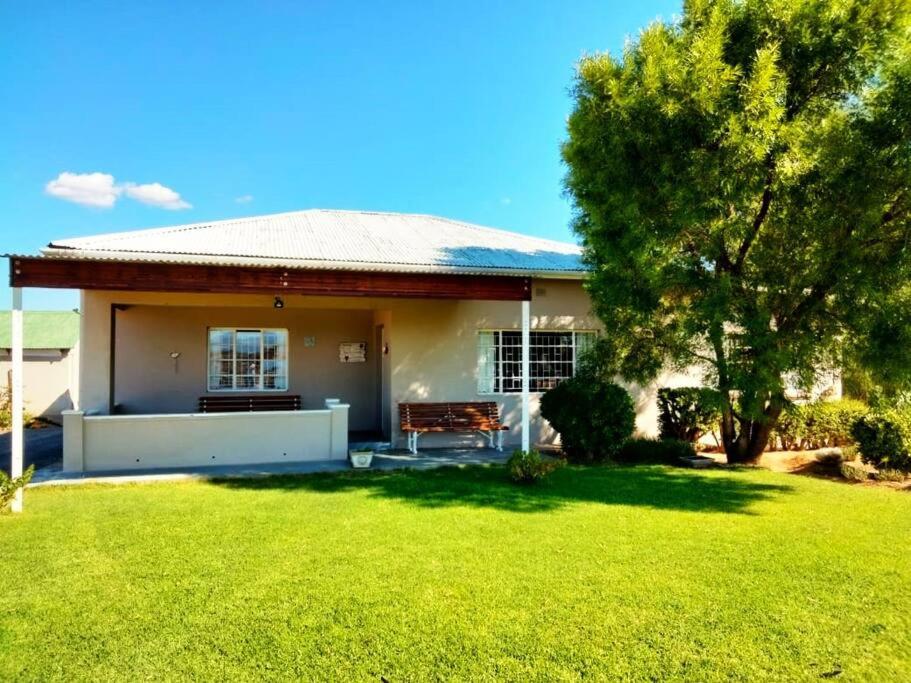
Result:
x=432 y=351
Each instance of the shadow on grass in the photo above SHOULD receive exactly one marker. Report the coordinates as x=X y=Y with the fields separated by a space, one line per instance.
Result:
x=488 y=486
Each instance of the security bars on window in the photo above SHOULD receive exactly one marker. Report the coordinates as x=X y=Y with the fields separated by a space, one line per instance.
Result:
x=248 y=360
x=552 y=357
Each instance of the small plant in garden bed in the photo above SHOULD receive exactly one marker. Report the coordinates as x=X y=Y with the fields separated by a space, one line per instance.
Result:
x=528 y=467
x=8 y=486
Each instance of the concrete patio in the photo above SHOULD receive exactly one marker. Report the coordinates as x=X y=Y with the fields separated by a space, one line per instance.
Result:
x=390 y=460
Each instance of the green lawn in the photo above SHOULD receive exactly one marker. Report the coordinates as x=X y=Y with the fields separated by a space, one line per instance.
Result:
x=640 y=573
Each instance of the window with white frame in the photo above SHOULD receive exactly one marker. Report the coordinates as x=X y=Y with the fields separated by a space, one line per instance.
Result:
x=248 y=359
x=552 y=357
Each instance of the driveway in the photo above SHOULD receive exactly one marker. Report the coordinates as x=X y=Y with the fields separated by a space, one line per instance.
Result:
x=43 y=447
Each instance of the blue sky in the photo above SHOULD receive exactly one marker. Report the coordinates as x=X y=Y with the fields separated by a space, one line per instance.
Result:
x=195 y=111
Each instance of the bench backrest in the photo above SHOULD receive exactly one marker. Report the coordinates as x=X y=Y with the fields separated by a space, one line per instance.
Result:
x=245 y=404
x=448 y=417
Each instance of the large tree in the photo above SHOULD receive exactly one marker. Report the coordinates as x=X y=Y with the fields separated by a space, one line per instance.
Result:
x=741 y=182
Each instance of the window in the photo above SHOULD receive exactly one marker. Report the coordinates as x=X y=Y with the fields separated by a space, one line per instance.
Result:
x=248 y=360
x=553 y=357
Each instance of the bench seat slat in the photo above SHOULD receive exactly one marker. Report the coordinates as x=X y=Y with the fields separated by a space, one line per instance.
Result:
x=450 y=417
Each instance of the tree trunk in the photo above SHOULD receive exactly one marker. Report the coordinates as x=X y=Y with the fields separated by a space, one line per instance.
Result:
x=745 y=439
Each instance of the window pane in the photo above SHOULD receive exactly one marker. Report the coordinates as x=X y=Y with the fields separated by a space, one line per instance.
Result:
x=487 y=362
x=552 y=358
x=221 y=352
x=275 y=359
x=511 y=361
x=584 y=342
x=247 y=360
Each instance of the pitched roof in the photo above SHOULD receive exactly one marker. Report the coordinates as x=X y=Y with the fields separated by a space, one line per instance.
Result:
x=42 y=329
x=343 y=240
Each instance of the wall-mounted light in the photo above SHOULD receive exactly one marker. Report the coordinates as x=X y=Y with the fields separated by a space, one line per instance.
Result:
x=278 y=303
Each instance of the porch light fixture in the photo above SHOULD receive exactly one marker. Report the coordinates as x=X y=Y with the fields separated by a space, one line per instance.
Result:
x=278 y=303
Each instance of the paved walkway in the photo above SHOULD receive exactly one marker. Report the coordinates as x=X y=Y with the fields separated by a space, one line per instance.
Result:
x=390 y=460
x=42 y=447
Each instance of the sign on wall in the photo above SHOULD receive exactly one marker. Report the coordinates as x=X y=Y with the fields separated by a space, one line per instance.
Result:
x=352 y=352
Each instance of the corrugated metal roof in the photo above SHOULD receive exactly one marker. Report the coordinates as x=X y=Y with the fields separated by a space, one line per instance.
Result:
x=42 y=329
x=348 y=240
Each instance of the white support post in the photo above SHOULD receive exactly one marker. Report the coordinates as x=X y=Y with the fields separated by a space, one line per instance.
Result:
x=526 y=366
x=17 y=402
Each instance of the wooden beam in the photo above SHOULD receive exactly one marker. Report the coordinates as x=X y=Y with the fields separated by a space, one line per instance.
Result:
x=29 y=271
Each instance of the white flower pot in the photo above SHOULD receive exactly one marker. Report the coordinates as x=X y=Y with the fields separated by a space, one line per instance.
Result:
x=360 y=459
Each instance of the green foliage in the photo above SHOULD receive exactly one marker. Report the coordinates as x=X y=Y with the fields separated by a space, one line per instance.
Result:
x=9 y=486
x=593 y=416
x=742 y=186
x=819 y=424
x=891 y=475
x=528 y=467
x=687 y=413
x=853 y=471
x=654 y=451
x=884 y=439
x=6 y=411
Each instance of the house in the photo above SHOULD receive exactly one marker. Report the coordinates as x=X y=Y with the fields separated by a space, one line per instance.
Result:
x=354 y=312
x=50 y=357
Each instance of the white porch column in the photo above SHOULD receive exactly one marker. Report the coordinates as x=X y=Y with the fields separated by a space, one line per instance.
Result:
x=526 y=365
x=17 y=402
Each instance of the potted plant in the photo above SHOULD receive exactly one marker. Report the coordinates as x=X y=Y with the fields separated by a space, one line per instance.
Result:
x=360 y=457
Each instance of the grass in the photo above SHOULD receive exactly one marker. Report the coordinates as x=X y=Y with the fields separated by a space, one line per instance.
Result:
x=633 y=573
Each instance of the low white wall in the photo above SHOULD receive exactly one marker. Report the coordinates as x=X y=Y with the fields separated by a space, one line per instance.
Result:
x=119 y=442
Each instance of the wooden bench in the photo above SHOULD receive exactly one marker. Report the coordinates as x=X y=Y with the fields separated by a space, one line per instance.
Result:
x=247 y=404
x=482 y=417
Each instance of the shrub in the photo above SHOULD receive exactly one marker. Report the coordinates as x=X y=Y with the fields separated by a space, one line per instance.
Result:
x=891 y=475
x=663 y=451
x=8 y=487
x=528 y=467
x=593 y=417
x=687 y=413
x=819 y=424
x=884 y=439
x=853 y=471
x=6 y=411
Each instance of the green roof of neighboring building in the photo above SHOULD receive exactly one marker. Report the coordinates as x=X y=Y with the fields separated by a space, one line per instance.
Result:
x=43 y=329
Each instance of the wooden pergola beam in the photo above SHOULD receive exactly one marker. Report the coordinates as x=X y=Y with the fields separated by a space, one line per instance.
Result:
x=28 y=271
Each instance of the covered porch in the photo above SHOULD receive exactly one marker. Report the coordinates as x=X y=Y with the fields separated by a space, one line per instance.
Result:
x=147 y=357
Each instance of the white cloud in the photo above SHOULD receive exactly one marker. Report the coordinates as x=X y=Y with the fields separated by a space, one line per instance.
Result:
x=100 y=189
x=156 y=194
x=244 y=199
x=89 y=189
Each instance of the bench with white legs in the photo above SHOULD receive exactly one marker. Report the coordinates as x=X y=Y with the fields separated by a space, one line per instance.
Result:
x=482 y=417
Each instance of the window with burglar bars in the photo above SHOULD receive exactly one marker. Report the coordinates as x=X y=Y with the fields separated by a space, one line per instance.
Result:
x=248 y=360
x=552 y=358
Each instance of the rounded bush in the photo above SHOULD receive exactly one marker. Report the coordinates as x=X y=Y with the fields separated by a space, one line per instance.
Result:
x=884 y=439
x=593 y=417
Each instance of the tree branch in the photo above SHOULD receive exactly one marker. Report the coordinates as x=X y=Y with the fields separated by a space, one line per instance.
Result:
x=760 y=217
